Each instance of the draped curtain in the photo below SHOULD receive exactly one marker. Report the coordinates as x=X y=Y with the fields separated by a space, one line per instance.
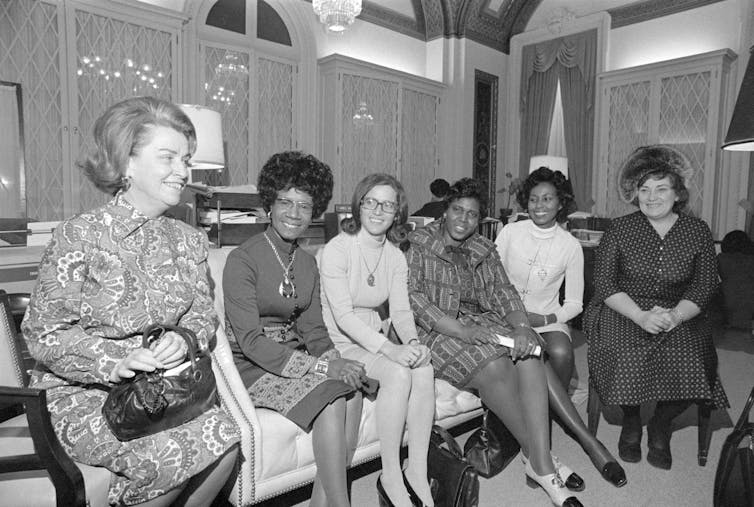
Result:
x=572 y=60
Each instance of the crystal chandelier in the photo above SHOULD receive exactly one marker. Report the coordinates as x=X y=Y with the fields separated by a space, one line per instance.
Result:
x=336 y=15
x=362 y=116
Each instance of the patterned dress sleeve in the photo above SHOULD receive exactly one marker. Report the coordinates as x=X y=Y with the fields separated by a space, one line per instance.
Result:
x=606 y=266
x=504 y=295
x=401 y=315
x=705 y=278
x=426 y=313
x=201 y=317
x=243 y=320
x=53 y=327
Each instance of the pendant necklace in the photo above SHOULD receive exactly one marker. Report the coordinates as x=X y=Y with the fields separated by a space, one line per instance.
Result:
x=536 y=262
x=370 y=277
x=286 y=289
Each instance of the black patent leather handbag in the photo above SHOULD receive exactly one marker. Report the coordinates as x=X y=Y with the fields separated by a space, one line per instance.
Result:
x=453 y=481
x=152 y=402
x=734 y=478
x=492 y=447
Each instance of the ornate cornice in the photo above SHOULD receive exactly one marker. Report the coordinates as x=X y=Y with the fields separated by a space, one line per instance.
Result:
x=372 y=12
x=651 y=9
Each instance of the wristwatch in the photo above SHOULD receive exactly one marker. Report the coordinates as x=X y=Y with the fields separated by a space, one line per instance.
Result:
x=321 y=367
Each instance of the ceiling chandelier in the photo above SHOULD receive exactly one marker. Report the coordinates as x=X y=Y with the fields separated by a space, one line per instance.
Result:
x=336 y=15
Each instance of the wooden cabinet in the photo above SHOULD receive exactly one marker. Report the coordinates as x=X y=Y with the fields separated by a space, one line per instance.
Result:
x=374 y=119
x=679 y=103
x=74 y=58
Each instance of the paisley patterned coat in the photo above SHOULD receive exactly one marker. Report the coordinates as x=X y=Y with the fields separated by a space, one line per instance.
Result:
x=104 y=277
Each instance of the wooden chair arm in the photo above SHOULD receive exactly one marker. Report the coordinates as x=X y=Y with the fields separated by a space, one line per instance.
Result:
x=50 y=456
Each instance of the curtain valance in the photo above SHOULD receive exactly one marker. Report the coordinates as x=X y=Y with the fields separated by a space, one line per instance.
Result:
x=579 y=50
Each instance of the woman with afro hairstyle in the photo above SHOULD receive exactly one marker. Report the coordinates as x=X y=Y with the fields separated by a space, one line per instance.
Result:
x=538 y=255
x=274 y=321
x=462 y=300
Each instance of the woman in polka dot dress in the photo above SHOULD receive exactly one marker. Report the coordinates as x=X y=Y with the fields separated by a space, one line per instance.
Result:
x=648 y=332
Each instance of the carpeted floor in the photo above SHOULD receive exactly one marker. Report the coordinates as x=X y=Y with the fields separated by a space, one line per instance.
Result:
x=687 y=484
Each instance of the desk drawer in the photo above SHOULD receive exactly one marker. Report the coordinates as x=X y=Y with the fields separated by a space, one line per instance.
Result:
x=18 y=278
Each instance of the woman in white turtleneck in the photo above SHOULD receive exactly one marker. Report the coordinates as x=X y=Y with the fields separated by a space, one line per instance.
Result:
x=538 y=254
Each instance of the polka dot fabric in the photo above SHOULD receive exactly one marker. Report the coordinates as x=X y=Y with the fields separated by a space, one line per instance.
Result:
x=627 y=365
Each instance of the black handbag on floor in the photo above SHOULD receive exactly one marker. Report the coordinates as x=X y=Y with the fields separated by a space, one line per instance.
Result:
x=151 y=402
x=492 y=447
x=453 y=481
x=734 y=478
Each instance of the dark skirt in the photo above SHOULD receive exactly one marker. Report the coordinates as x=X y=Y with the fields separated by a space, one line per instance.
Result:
x=629 y=366
x=458 y=362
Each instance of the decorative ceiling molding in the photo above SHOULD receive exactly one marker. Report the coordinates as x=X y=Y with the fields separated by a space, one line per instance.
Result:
x=373 y=13
x=652 y=9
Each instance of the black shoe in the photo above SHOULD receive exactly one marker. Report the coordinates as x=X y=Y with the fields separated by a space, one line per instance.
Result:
x=613 y=473
x=382 y=494
x=658 y=443
x=415 y=500
x=629 y=443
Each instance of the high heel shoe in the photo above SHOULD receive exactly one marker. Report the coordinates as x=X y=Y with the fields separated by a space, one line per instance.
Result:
x=415 y=500
x=613 y=473
x=553 y=486
x=382 y=494
x=571 y=479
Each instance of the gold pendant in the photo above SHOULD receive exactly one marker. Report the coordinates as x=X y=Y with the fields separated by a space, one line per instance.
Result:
x=370 y=280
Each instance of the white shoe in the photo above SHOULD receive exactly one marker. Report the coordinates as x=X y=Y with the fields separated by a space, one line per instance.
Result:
x=553 y=486
x=572 y=480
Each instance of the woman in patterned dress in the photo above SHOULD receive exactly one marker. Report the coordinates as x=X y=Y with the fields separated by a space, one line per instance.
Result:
x=648 y=331
x=462 y=298
x=362 y=270
x=106 y=275
x=274 y=322
x=538 y=256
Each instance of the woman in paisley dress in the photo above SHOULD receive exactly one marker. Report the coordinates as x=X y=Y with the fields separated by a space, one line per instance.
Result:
x=105 y=276
x=273 y=315
x=649 y=334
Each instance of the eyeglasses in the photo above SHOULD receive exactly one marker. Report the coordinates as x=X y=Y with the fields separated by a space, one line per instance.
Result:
x=371 y=204
x=305 y=207
x=460 y=210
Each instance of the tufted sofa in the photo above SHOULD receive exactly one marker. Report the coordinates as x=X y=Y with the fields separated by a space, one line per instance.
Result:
x=277 y=455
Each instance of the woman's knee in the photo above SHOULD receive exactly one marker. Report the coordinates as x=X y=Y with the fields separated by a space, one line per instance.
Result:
x=499 y=370
x=560 y=351
x=395 y=378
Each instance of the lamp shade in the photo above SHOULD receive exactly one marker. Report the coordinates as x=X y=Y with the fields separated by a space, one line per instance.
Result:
x=741 y=130
x=550 y=161
x=207 y=122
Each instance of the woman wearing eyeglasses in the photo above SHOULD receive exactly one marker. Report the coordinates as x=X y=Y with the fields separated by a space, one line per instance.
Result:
x=273 y=316
x=362 y=269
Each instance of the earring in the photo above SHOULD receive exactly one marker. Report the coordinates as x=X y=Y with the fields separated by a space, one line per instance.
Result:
x=125 y=183
x=269 y=213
